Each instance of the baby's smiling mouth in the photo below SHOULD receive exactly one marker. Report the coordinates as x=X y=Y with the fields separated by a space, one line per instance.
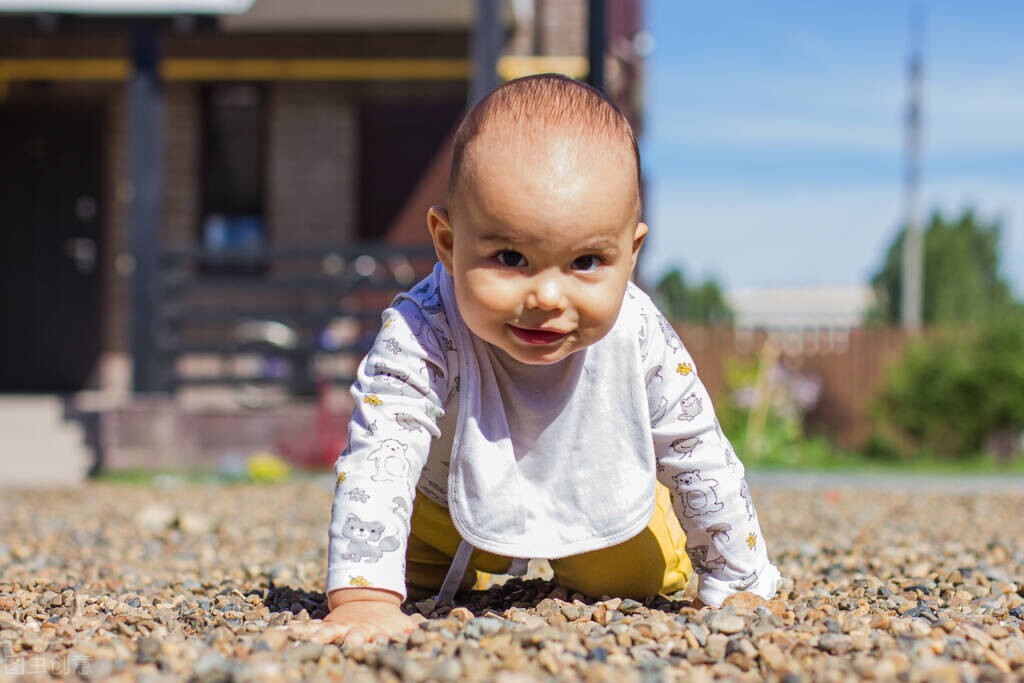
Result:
x=537 y=337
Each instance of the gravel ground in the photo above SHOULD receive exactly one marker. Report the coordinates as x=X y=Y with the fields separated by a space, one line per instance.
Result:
x=224 y=582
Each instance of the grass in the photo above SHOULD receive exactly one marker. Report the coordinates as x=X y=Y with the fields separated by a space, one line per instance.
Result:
x=144 y=477
x=782 y=447
x=817 y=454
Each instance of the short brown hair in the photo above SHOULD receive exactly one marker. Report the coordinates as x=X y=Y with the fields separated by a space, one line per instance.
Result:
x=548 y=100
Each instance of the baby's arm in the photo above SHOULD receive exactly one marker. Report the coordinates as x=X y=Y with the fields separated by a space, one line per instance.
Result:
x=398 y=396
x=696 y=462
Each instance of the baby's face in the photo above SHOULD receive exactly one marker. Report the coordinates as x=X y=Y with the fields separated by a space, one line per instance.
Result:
x=540 y=240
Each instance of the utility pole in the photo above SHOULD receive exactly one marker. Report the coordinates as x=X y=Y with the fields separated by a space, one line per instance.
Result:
x=913 y=251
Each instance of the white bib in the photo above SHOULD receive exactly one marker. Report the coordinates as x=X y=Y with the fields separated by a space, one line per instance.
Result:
x=550 y=461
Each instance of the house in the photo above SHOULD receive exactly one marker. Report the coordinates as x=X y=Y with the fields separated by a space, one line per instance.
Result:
x=134 y=128
x=804 y=318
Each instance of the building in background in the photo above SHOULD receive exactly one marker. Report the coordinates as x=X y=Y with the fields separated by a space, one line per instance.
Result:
x=261 y=124
x=819 y=317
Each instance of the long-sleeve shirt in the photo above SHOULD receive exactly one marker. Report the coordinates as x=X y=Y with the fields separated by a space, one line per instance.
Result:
x=536 y=461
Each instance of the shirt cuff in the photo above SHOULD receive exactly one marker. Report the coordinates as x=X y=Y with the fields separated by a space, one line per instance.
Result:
x=713 y=592
x=347 y=578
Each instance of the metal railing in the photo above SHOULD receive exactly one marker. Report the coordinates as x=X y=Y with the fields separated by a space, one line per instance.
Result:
x=294 y=316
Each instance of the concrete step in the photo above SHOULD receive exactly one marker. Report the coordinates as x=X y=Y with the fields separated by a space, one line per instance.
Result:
x=38 y=448
x=30 y=412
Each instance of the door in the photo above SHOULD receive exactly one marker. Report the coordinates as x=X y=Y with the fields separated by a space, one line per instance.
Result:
x=50 y=181
x=398 y=140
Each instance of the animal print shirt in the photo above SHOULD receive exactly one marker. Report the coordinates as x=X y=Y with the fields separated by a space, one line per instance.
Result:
x=564 y=469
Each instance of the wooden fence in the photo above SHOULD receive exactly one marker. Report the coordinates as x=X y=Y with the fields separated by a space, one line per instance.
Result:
x=850 y=365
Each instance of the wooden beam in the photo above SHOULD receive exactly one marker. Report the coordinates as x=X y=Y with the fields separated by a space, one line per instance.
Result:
x=246 y=69
x=517 y=66
x=64 y=69
x=180 y=69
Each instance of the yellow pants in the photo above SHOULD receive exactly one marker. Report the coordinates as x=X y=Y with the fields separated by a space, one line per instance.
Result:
x=654 y=561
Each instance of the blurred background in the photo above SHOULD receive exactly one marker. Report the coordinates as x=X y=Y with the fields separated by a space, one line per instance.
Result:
x=206 y=203
x=788 y=146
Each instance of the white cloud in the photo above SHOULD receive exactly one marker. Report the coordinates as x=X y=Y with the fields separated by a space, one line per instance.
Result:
x=969 y=111
x=748 y=236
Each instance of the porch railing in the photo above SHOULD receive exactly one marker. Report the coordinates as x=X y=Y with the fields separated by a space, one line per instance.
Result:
x=293 y=316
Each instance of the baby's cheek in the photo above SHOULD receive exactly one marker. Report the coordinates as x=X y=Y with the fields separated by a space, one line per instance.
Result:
x=599 y=314
x=482 y=294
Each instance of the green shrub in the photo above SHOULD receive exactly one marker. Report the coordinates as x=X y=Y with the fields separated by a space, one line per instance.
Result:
x=952 y=391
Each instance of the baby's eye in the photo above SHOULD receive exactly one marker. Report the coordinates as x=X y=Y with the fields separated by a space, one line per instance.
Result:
x=586 y=263
x=511 y=259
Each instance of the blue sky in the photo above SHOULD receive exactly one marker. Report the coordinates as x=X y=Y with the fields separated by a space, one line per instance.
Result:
x=773 y=144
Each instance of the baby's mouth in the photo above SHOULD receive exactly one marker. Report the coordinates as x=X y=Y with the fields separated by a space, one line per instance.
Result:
x=537 y=337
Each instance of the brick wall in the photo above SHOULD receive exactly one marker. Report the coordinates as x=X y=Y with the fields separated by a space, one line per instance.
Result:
x=117 y=197
x=564 y=27
x=180 y=202
x=311 y=188
x=181 y=164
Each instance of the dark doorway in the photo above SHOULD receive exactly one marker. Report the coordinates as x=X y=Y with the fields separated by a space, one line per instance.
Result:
x=50 y=218
x=398 y=139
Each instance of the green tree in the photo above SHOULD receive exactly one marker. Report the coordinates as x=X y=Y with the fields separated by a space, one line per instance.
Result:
x=962 y=282
x=704 y=302
x=955 y=392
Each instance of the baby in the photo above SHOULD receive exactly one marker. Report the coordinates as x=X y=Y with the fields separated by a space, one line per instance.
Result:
x=526 y=400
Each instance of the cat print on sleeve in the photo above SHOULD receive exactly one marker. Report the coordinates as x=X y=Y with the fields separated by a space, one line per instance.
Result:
x=366 y=540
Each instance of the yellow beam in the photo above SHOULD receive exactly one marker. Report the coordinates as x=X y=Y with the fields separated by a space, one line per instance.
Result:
x=517 y=66
x=314 y=69
x=229 y=69
x=64 y=69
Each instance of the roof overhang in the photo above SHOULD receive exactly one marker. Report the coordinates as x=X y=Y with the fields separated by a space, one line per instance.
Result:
x=275 y=16
x=360 y=15
x=125 y=7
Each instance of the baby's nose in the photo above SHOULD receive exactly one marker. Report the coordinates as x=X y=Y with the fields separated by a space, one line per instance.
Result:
x=546 y=294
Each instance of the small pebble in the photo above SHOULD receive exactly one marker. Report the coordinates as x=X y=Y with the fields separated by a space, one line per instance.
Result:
x=726 y=622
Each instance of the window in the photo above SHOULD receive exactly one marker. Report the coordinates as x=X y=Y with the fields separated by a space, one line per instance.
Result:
x=233 y=172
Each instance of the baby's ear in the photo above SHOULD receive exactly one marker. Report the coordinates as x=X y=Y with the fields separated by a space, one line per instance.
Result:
x=639 y=235
x=440 y=226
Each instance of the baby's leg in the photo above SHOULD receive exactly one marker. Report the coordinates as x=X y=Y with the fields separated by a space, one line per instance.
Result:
x=432 y=545
x=654 y=561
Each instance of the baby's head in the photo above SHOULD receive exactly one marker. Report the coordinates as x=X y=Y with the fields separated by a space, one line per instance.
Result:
x=540 y=228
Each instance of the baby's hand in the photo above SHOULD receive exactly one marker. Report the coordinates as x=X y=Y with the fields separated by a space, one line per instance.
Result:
x=359 y=615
